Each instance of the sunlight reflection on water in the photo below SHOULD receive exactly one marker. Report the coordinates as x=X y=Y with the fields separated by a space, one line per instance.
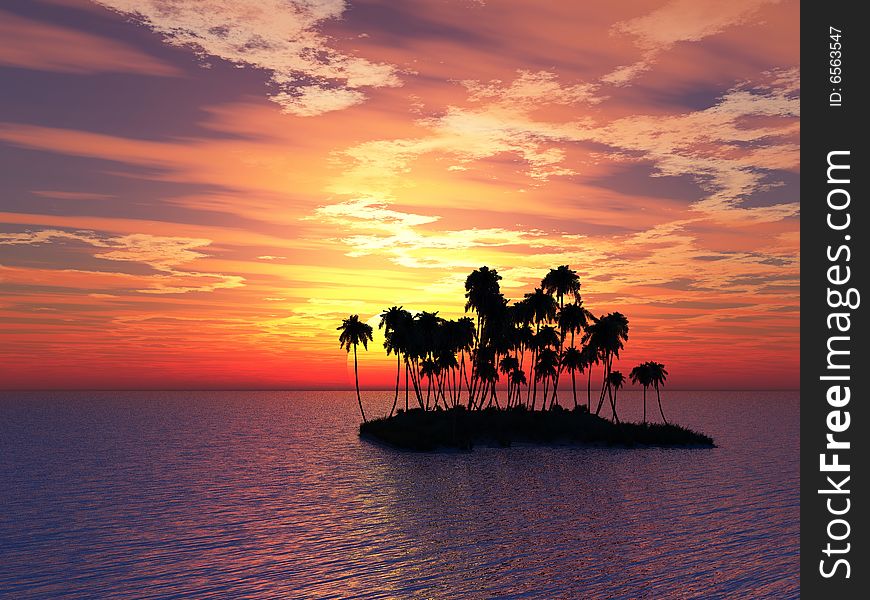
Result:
x=265 y=494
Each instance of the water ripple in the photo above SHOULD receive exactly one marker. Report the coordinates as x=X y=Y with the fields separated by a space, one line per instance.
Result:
x=273 y=495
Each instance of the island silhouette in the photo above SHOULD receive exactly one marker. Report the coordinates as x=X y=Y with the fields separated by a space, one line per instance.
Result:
x=452 y=369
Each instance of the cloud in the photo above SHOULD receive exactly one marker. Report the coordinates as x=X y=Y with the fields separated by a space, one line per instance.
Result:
x=163 y=254
x=280 y=37
x=677 y=21
x=729 y=149
x=29 y=44
x=67 y=195
x=720 y=147
x=531 y=89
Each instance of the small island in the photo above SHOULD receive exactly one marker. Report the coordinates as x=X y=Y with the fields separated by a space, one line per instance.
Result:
x=452 y=369
x=463 y=429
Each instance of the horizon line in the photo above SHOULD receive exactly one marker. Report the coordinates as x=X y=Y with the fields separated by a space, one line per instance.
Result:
x=331 y=389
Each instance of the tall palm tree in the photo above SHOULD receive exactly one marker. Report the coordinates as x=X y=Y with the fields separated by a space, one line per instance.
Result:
x=488 y=374
x=546 y=367
x=353 y=332
x=482 y=293
x=393 y=321
x=658 y=375
x=609 y=334
x=642 y=374
x=573 y=361
x=591 y=357
x=572 y=318
x=543 y=340
x=616 y=380
x=507 y=365
x=428 y=369
x=464 y=344
x=518 y=379
x=447 y=364
x=542 y=306
x=561 y=282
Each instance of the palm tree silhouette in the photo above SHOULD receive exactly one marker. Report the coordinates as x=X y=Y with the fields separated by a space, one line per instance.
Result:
x=591 y=356
x=542 y=307
x=353 y=332
x=394 y=321
x=608 y=334
x=488 y=374
x=641 y=374
x=465 y=340
x=546 y=367
x=573 y=361
x=518 y=379
x=427 y=370
x=449 y=356
x=616 y=379
x=658 y=375
x=507 y=365
x=572 y=319
x=482 y=293
x=562 y=281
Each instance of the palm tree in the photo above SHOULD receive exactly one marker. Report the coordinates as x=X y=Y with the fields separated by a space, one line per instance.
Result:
x=658 y=376
x=591 y=357
x=561 y=282
x=393 y=321
x=542 y=306
x=608 y=334
x=489 y=376
x=507 y=365
x=447 y=363
x=465 y=336
x=542 y=341
x=616 y=379
x=482 y=293
x=517 y=379
x=428 y=368
x=642 y=374
x=572 y=319
x=353 y=332
x=546 y=367
x=573 y=360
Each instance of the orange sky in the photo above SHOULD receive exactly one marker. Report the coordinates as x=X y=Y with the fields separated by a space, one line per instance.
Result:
x=195 y=194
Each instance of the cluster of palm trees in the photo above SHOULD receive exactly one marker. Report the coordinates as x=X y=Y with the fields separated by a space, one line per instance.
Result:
x=538 y=338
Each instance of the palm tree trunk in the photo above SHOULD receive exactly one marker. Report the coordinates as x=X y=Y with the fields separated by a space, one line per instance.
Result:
x=398 y=373
x=644 y=405
x=574 y=387
x=356 y=378
x=604 y=384
x=418 y=392
x=406 y=386
x=659 y=398
x=589 y=389
x=611 y=393
x=535 y=391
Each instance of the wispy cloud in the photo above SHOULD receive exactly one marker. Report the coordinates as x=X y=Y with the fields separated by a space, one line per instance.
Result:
x=677 y=21
x=163 y=254
x=728 y=149
x=281 y=37
x=30 y=44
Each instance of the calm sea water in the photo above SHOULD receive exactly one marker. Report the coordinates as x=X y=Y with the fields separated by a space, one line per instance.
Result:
x=272 y=494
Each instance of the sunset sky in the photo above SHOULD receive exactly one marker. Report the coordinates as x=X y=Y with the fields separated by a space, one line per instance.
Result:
x=196 y=192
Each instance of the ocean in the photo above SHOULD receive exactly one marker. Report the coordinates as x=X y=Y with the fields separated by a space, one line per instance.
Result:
x=273 y=495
